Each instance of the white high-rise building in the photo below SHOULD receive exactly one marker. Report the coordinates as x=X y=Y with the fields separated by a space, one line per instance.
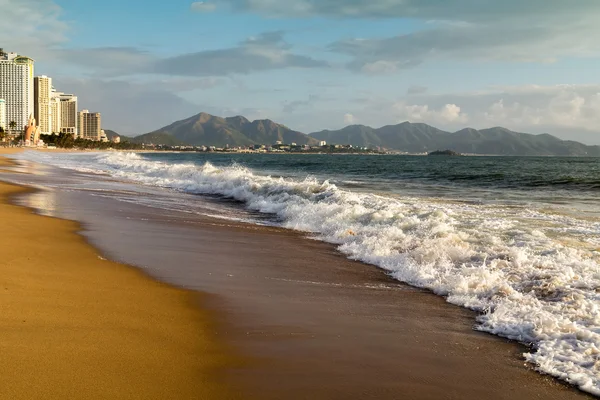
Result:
x=55 y=112
x=3 y=114
x=42 y=91
x=16 y=88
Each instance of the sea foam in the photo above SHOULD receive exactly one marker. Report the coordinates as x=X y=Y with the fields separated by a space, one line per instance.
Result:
x=532 y=276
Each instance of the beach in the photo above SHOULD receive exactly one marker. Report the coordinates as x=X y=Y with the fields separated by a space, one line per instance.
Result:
x=313 y=323
x=75 y=325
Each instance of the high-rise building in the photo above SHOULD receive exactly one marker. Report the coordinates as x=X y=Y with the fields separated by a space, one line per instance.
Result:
x=3 y=114
x=89 y=125
x=16 y=88
x=55 y=112
x=42 y=91
x=69 y=120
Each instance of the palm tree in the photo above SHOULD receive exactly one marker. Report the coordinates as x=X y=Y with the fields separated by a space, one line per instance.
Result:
x=12 y=125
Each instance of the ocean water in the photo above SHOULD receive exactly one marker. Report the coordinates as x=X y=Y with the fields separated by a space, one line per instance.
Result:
x=515 y=238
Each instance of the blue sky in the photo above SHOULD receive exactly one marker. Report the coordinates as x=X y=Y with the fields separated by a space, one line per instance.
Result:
x=529 y=66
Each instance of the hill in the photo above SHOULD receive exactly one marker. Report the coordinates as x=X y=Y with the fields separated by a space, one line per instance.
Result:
x=419 y=138
x=112 y=134
x=209 y=130
x=158 y=138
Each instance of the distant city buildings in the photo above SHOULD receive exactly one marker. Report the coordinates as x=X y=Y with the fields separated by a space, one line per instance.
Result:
x=31 y=106
x=69 y=119
x=90 y=125
x=16 y=88
x=55 y=111
x=3 y=123
x=42 y=91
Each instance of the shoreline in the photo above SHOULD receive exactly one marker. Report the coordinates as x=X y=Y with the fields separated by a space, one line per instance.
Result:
x=319 y=324
x=78 y=326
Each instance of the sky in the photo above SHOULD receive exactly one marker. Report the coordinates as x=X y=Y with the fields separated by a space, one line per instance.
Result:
x=530 y=66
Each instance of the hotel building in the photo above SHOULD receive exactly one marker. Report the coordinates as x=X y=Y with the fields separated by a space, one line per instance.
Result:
x=55 y=112
x=16 y=88
x=3 y=123
x=69 y=120
x=42 y=92
x=89 y=125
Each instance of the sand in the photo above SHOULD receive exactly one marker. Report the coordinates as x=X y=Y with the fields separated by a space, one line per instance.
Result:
x=75 y=326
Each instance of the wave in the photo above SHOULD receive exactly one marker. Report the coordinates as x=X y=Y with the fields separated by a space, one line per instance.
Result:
x=533 y=277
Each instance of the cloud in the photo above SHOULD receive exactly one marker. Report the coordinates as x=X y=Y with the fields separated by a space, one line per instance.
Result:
x=510 y=30
x=259 y=53
x=380 y=67
x=264 y=52
x=416 y=89
x=290 y=107
x=128 y=108
x=108 y=61
x=434 y=10
x=189 y=84
x=490 y=42
x=447 y=114
x=567 y=111
x=31 y=27
x=203 y=7
x=561 y=107
x=349 y=119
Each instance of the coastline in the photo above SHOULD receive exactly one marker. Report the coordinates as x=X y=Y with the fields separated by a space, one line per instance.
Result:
x=78 y=326
x=320 y=325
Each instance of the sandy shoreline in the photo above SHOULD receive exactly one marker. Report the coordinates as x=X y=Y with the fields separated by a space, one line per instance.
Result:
x=320 y=326
x=74 y=325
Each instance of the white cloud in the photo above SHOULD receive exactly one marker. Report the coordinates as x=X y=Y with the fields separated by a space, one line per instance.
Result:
x=201 y=6
x=565 y=107
x=567 y=111
x=447 y=114
x=31 y=27
x=349 y=119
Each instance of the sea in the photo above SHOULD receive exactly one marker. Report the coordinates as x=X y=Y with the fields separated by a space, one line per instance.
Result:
x=516 y=239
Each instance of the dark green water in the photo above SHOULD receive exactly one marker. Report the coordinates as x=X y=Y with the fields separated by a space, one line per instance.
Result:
x=570 y=182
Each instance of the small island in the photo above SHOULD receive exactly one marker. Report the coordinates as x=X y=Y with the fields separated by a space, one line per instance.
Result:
x=444 y=153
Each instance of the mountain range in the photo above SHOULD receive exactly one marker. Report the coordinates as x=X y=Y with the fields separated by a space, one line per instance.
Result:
x=209 y=130
x=418 y=137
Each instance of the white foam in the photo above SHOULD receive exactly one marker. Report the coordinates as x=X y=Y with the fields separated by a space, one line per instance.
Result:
x=533 y=276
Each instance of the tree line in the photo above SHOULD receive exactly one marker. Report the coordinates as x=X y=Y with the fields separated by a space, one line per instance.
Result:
x=66 y=141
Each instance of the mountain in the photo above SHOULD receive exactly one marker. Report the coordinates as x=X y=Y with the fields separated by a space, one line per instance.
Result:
x=209 y=130
x=418 y=137
x=158 y=138
x=356 y=135
x=112 y=134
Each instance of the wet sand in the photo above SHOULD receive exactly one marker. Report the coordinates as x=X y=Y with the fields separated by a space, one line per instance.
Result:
x=75 y=326
x=318 y=325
